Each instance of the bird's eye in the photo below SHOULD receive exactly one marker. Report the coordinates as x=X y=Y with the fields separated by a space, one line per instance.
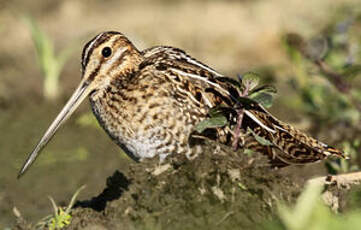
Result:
x=106 y=52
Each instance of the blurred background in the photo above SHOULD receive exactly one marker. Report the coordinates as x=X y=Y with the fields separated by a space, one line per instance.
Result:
x=310 y=50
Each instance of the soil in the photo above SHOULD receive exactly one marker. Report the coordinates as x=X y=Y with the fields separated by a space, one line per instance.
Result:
x=220 y=188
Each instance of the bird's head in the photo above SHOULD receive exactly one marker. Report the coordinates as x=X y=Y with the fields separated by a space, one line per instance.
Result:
x=108 y=56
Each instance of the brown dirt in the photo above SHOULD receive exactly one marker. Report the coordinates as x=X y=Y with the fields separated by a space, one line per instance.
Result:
x=218 y=188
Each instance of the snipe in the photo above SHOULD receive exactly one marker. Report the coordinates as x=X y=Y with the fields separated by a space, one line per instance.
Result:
x=150 y=101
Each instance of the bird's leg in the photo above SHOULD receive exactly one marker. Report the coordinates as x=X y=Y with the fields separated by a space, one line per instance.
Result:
x=240 y=113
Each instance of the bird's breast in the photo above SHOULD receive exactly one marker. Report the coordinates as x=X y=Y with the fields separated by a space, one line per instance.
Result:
x=145 y=126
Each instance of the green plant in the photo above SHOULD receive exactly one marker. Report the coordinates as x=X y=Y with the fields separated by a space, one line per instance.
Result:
x=61 y=218
x=249 y=93
x=50 y=64
x=311 y=213
x=325 y=68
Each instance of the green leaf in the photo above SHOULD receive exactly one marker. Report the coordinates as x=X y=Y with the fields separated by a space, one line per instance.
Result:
x=316 y=48
x=264 y=89
x=72 y=201
x=219 y=111
x=43 y=46
x=213 y=122
x=263 y=95
x=263 y=98
x=260 y=139
x=62 y=219
x=246 y=101
x=50 y=64
x=250 y=80
x=248 y=152
x=307 y=207
x=242 y=186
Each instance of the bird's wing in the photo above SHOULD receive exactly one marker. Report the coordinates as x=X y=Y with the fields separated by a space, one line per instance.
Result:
x=208 y=87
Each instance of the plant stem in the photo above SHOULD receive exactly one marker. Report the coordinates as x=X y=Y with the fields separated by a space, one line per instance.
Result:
x=51 y=88
x=51 y=80
x=237 y=130
x=240 y=114
x=336 y=79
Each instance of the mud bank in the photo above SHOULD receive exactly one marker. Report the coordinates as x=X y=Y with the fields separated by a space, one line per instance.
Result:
x=219 y=188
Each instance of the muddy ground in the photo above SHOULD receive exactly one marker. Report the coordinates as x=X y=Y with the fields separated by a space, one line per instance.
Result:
x=219 y=189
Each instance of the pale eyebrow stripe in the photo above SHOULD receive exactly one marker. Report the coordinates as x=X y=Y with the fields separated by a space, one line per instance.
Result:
x=89 y=48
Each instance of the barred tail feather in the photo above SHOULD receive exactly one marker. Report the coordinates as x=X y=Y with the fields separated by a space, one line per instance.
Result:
x=301 y=148
x=290 y=145
x=335 y=152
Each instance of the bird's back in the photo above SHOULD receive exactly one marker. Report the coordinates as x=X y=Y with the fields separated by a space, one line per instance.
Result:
x=210 y=89
x=171 y=92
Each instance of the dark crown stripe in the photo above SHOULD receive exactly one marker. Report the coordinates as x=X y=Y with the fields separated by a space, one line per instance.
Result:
x=93 y=44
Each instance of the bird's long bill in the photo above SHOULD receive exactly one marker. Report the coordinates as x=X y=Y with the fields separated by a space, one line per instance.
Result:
x=75 y=100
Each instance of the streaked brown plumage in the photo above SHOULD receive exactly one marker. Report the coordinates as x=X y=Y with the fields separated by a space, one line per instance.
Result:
x=150 y=101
